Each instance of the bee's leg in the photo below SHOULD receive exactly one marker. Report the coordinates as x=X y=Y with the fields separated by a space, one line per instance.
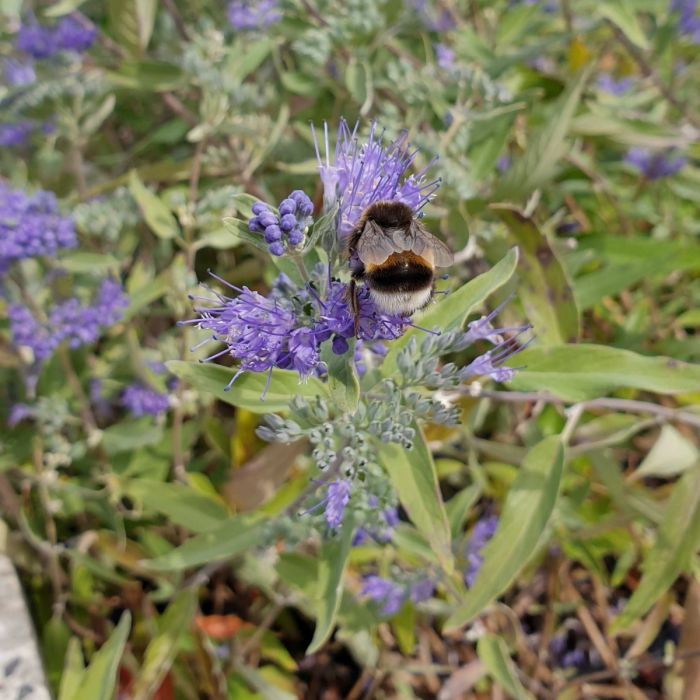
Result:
x=354 y=305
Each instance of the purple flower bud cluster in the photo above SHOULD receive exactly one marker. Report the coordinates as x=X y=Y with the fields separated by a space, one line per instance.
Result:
x=15 y=134
x=655 y=166
x=45 y=42
x=244 y=15
x=31 y=225
x=284 y=230
x=613 y=86
x=483 y=531
x=286 y=328
x=391 y=596
x=140 y=400
x=361 y=174
x=18 y=73
x=688 y=19
x=69 y=322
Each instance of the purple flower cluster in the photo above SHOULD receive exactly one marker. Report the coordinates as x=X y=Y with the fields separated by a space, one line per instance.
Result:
x=655 y=166
x=361 y=174
x=18 y=73
x=140 y=400
x=445 y=57
x=688 y=19
x=286 y=328
x=483 y=531
x=31 y=225
x=45 y=42
x=286 y=229
x=432 y=20
x=244 y=15
x=491 y=363
x=15 y=134
x=613 y=86
x=69 y=322
x=391 y=596
x=337 y=498
x=390 y=518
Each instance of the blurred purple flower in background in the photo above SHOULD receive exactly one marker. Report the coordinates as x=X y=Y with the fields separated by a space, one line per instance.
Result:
x=18 y=73
x=434 y=20
x=244 y=15
x=387 y=594
x=15 y=135
x=613 y=86
x=445 y=57
x=141 y=400
x=655 y=165
x=18 y=413
x=42 y=42
x=483 y=531
x=688 y=20
x=69 y=322
x=31 y=225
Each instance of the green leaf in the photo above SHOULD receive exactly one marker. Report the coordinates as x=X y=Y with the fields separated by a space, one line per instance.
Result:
x=55 y=638
x=242 y=63
x=63 y=7
x=131 y=435
x=221 y=239
x=100 y=678
x=582 y=372
x=83 y=261
x=239 y=229
x=131 y=22
x=458 y=507
x=180 y=504
x=248 y=388
x=545 y=148
x=672 y=454
x=526 y=512
x=451 y=312
x=149 y=76
x=161 y=650
x=228 y=539
x=544 y=289
x=343 y=383
x=622 y=14
x=413 y=475
x=333 y=559
x=676 y=542
x=73 y=670
x=157 y=215
x=493 y=653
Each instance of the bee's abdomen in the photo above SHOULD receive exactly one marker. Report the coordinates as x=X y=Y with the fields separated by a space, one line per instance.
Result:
x=401 y=272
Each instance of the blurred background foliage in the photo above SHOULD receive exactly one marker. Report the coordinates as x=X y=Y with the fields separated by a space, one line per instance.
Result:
x=579 y=119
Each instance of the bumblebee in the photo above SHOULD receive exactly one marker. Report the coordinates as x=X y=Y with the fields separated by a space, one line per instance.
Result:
x=395 y=256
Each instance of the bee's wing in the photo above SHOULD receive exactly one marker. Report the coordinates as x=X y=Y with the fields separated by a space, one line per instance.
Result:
x=419 y=240
x=374 y=245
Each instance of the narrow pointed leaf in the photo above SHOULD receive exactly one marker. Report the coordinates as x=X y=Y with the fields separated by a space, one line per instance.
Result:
x=332 y=562
x=677 y=541
x=413 y=475
x=525 y=515
x=544 y=289
x=100 y=678
x=247 y=390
